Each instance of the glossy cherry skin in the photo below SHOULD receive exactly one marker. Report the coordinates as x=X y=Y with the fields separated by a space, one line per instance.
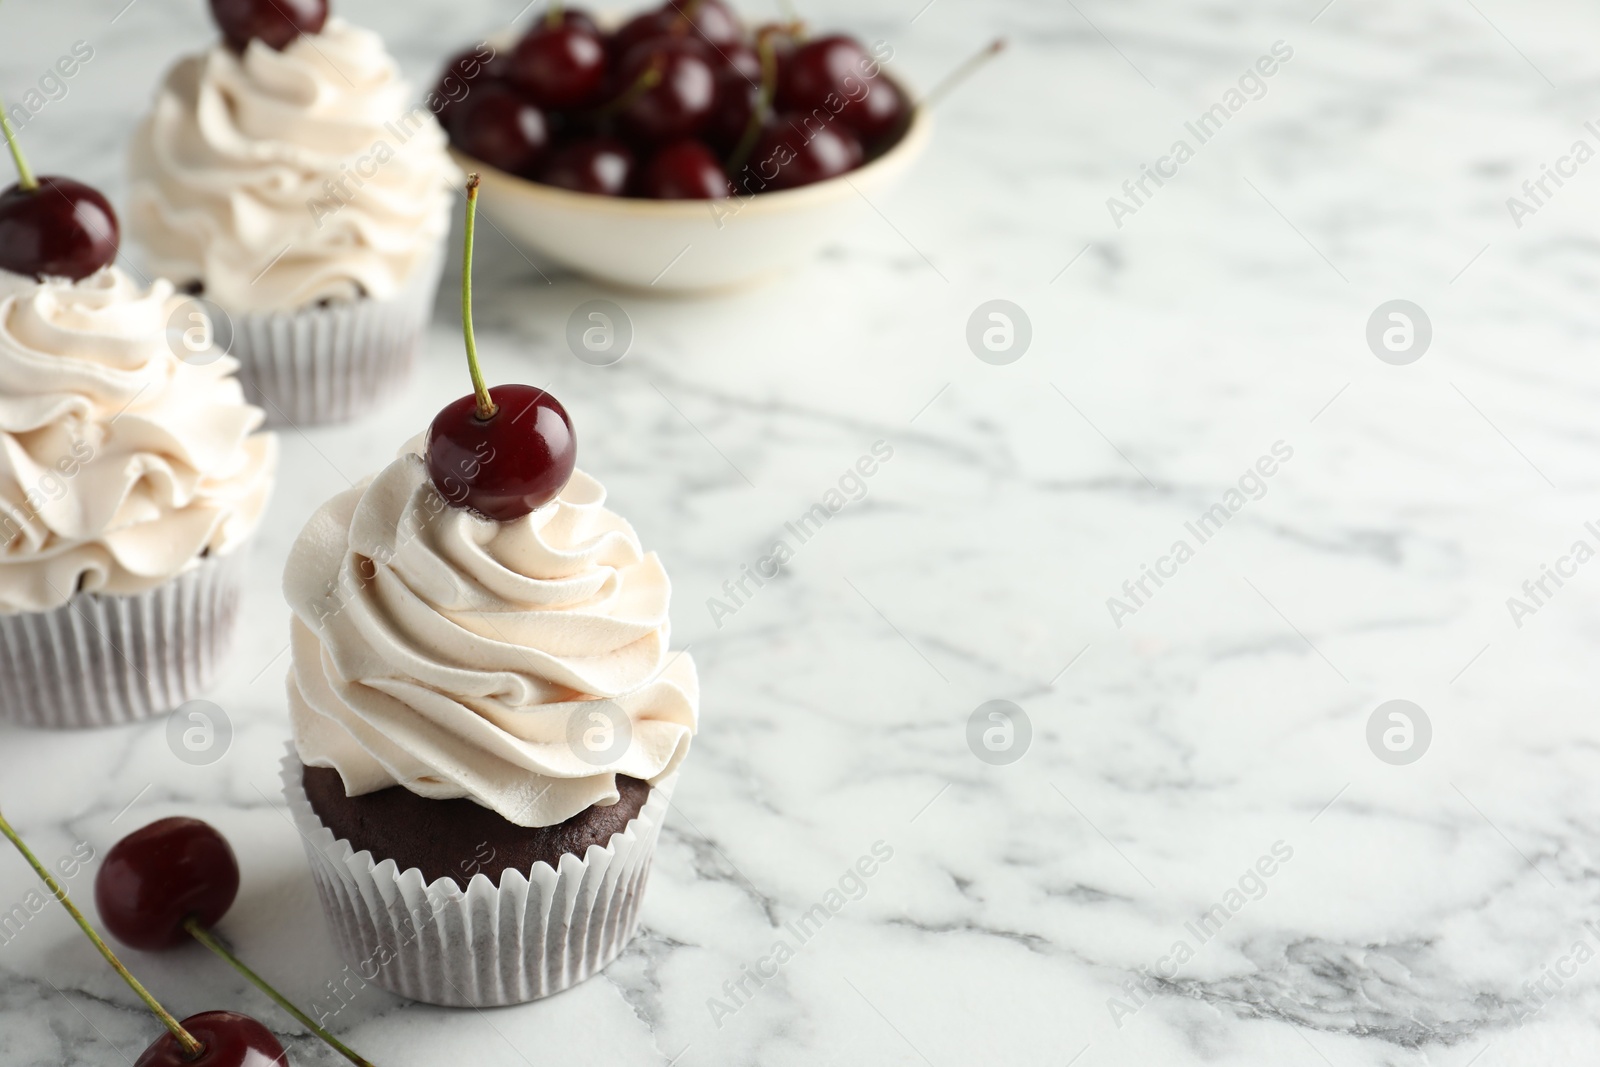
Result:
x=709 y=31
x=507 y=465
x=62 y=229
x=737 y=71
x=827 y=65
x=275 y=23
x=156 y=878
x=835 y=75
x=496 y=125
x=679 y=105
x=736 y=101
x=229 y=1040
x=881 y=112
x=796 y=150
x=684 y=170
x=559 y=67
x=649 y=26
x=464 y=74
x=600 y=165
x=710 y=20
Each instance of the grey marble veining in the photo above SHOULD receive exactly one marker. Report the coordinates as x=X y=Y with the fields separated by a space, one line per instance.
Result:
x=1443 y=912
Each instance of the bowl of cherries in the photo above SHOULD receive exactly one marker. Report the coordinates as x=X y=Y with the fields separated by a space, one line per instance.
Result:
x=680 y=149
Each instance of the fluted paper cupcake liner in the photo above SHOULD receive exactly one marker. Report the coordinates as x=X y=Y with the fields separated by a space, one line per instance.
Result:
x=327 y=364
x=102 y=660
x=538 y=933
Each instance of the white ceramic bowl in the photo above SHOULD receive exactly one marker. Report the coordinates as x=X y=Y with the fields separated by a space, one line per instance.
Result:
x=687 y=245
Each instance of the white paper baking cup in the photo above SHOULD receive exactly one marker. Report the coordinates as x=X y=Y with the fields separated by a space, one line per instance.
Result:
x=321 y=365
x=537 y=934
x=102 y=660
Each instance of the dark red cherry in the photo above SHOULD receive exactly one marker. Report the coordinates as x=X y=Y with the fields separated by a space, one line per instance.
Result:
x=600 y=165
x=155 y=879
x=60 y=229
x=737 y=95
x=739 y=59
x=229 y=1040
x=684 y=170
x=505 y=466
x=558 y=66
x=678 y=105
x=835 y=75
x=737 y=101
x=882 y=111
x=796 y=150
x=710 y=20
x=466 y=72
x=648 y=26
x=496 y=125
x=275 y=23
x=822 y=67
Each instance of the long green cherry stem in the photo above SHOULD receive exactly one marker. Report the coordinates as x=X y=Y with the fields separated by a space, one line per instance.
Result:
x=25 y=176
x=191 y=1047
x=486 y=407
x=210 y=941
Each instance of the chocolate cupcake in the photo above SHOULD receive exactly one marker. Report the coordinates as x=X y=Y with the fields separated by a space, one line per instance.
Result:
x=487 y=719
x=297 y=186
x=488 y=724
x=131 y=482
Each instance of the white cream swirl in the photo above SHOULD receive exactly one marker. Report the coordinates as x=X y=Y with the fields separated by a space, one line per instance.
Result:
x=278 y=179
x=461 y=657
x=120 y=464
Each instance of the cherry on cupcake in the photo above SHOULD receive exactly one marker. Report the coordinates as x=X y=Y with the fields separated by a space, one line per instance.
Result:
x=600 y=165
x=210 y=1039
x=168 y=883
x=53 y=227
x=499 y=127
x=500 y=452
x=275 y=23
x=684 y=170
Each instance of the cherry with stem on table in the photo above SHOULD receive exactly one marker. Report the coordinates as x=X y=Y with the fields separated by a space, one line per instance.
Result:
x=209 y=1039
x=170 y=882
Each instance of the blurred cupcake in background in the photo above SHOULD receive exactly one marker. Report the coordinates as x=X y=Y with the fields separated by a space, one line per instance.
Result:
x=287 y=176
x=130 y=482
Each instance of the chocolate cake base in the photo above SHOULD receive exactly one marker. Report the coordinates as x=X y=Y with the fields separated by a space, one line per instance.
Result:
x=459 y=838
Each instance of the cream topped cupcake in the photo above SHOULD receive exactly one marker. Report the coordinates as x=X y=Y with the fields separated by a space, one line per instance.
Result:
x=456 y=656
x=130 y=481
x=302 y=190
x=488 y=720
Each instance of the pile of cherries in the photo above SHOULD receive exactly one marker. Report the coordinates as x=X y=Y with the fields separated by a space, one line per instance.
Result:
x=680 y=103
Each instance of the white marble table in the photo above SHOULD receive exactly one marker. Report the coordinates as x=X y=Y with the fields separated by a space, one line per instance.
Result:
x=1439 y=912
